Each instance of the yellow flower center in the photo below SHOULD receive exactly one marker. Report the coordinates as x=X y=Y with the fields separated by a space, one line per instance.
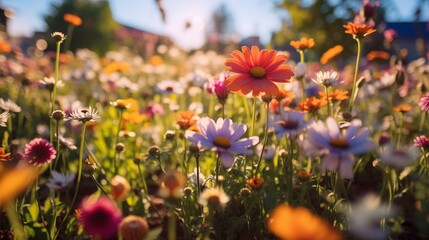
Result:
x=222 y=142
x=258 y=72
x=339 y=142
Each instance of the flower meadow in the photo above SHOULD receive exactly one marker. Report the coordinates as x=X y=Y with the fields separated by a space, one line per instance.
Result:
x=251 y=145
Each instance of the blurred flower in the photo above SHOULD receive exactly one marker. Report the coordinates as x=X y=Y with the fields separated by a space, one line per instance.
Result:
x=390 y=35
x=399 y=157
x=290 y=123
x=4 y=116
x=402 y=108
x=365 y=217
x=291 y=223
x=312 y=104
x=213 y=198
x=58 y=36
x=100 y=218
x=424 y=102
x=58 y=115
x=49 y=83
x=10 y=106
x=218 y=87
x=72 y=19
x=421 y=142
x=133 y=228
x=60 y=181
x=172 y=185
x=302 y=44
x=153 y=109
x=374 y=55
x=257 y=71
x=84 y=115
x=120 y=188
x=269 y=152
x=331 y=53
x=326 y=79
x=170 y=86
x=116 y=67
x=186 y=120
x=14 y=181
x=358 y=30
x=337 y=147
x=4 y=156
x=300 y=69
x=67 y=143
x=336 y=96
x=255 y=182
x=121 y=104
x=222 y=135
x=39 y=152
x=5 y=46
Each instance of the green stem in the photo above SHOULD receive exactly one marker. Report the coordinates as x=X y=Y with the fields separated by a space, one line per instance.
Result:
x=217 y=169
x=54 y=90
x=115 y=165
x=354 y=89
x=99 y=185
x=328 y=100
x=265 y=140
x=301 y=56
x=401 y=123
x=422 y=121
x=252 y=127
x=15 y=222
x=172 y=228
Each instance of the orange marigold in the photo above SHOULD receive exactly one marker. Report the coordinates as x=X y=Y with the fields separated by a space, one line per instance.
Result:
x=302 y=44
x=312 y=104
x=255 y=182
x=3 y=155
x=72 y=19
x=331 y=53
x=186 y=119
x=373 y=55
x=336 y=96
x=291 y=223
x=257 y=71
x=358 y=30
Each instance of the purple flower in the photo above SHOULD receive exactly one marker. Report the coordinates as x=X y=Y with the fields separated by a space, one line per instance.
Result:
x=100 y=218
x=339 y=147
x=289 y=123
x=153 y=109
x=222 y=135
x=39 y=152
x=424 y=102
x=421 y=142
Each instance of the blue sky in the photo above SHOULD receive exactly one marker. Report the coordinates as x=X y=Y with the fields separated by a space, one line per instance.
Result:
x=250 y=17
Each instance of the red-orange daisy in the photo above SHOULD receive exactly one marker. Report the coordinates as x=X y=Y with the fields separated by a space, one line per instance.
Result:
x=303 y=44
x=358 y=30
x=331 y=53
x=257 y=71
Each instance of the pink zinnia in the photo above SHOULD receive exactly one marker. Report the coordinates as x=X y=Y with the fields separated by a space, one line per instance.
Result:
x=424 y=102
x=422 y=142
x=39 y=152
x=217 y=86
x=100 y=218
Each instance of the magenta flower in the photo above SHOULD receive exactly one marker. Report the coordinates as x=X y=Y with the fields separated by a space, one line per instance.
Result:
x=223 y=136
x=153 y=109
x=421 y=142
x=424 y=102
x=337 y=147
x=39 y=152
x=217 y=86
x=100 y=218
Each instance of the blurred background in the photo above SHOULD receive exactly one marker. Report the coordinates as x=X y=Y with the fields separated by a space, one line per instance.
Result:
x=219 y=25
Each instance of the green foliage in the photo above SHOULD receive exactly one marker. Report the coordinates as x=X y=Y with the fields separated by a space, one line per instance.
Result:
x=97 y=31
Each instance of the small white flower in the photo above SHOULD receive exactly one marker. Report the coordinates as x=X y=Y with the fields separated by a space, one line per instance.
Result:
x=84 y=115
x=213 y=197
x=326 y=79
x=9 y=106
x=60 y=181
x=3 y=118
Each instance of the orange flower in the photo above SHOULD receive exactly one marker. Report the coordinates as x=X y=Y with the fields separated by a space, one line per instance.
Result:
x=373 y=55
x=255 y=182
x=336 y=96
x=331 y=53
x=5 y=47
x=156 y=60
x=72 y=19
x=116 y=67
x=257 y=71
x=14 y=181
x=358 y=30
x=299 y=223
x=312 y=104
x=302 y=44
x=402 y=108
x=186 y=120
x=4 y=156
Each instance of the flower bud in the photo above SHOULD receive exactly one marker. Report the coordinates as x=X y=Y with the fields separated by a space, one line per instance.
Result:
x=133 y=228
x=120 y=188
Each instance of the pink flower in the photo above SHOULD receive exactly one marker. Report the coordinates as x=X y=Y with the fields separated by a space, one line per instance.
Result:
x=421 y=142
x=39 y=152
x=424 y=102
x=100 y=218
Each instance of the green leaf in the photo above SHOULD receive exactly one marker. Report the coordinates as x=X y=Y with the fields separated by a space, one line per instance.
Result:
x=153 y=234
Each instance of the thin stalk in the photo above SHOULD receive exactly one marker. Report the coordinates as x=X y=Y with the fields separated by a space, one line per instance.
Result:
x=265 y=140
x=99 y=185
x=42 y=217
x=252 y=127
x=354 y=87
x=115 y=164
x=217 y=169
x=172 y=228
x=422 y=121
x=54 y=90
x=301 y=56
x=328 y=100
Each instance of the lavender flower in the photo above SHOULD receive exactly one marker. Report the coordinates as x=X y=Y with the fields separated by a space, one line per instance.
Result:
x=289 y=123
